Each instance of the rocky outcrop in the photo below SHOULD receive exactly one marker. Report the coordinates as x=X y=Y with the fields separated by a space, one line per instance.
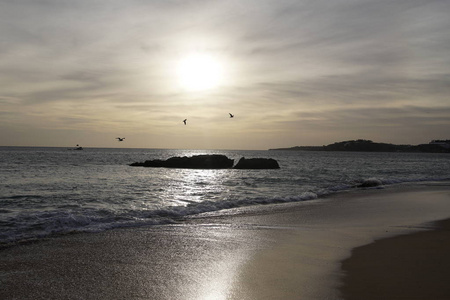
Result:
x=371 y=182
x=214 y=161
x=257 y=163
x=210 y=161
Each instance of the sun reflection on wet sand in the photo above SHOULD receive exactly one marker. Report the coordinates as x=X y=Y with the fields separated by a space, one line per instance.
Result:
x=211 y=265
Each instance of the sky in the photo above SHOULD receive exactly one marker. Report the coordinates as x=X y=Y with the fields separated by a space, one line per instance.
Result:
x=293 y=73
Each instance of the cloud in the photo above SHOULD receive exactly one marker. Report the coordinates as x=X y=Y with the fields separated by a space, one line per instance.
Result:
x=292 y=64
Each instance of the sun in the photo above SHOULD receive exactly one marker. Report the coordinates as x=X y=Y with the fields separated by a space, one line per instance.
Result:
x=198 y=72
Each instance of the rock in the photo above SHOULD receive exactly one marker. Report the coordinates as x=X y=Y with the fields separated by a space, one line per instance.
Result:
x=213 y=161
x=371 y=182
x=257 y=163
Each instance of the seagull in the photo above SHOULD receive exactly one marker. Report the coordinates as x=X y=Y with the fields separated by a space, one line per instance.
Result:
x=231 y=115
x=120 y=139
x=184 y=121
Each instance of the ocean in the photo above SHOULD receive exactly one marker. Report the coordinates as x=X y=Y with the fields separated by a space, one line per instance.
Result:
x=51 y=191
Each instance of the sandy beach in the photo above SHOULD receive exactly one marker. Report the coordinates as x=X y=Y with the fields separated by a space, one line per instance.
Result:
x=286 y=251
x=414 y=266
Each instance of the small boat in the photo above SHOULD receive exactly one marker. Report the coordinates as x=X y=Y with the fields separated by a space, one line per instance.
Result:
x=77 y=148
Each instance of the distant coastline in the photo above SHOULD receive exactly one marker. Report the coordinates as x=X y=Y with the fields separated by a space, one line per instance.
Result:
x=435 y=146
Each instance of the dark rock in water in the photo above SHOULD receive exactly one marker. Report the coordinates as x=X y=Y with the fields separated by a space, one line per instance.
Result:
x=372 y=182
x=257 y=163
x=214 y=161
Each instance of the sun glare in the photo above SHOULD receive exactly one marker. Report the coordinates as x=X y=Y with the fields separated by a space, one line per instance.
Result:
x=200 y=72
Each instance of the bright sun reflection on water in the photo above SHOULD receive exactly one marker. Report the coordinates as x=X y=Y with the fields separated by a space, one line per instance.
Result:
x=200 y=185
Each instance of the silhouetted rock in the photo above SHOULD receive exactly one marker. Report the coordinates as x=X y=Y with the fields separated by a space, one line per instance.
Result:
x=257 y=163
x=371 y=182
x=214 y=161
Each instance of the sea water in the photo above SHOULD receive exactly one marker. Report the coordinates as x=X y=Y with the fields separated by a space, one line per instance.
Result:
x=48 y=191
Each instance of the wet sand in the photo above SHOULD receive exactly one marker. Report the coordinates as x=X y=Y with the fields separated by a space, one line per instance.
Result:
x=414 y=266
x=286 y=251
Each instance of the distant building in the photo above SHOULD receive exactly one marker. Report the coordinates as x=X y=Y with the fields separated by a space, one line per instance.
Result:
x=443 y=143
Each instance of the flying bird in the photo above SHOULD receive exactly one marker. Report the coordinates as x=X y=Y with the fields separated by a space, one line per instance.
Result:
x=184 y=121
x=231 y=115
x=120 y=139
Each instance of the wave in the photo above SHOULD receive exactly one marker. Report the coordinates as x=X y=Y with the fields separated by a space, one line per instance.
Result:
x=44 y=224
x=37 y=225
x=376 y=182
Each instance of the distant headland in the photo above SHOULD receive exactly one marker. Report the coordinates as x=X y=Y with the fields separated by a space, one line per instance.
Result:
x=435 y=146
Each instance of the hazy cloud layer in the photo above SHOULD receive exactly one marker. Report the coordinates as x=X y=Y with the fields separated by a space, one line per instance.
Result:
x=297 y=72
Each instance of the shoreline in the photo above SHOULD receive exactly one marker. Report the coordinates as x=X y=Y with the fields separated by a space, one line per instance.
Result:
x=412 y=266
x=282 y=251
